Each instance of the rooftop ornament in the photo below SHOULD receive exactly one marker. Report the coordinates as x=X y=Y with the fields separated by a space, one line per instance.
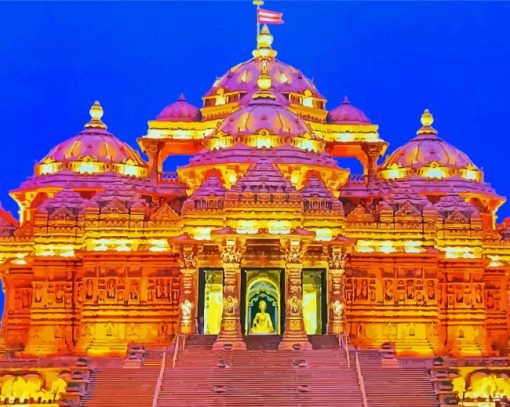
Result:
x=264 y=42
x=96 y=113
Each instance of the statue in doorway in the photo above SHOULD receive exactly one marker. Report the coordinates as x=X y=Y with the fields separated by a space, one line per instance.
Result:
x=262 y=323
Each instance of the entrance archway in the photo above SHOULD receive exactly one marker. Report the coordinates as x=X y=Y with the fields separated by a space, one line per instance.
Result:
x=262 y=302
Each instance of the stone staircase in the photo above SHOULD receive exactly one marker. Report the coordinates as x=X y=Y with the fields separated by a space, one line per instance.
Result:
x=129 y=387
x=260 y=376
x=395 y=386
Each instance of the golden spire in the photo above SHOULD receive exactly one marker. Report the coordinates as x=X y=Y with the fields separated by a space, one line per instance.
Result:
x=264 y=42
x=264 y=81
x=426 y=120
x=96 y=112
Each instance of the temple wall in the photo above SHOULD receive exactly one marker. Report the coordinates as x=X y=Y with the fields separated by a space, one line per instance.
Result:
x=98 y=305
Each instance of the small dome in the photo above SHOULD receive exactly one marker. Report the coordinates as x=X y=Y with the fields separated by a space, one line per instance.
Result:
x=429 y=156
x=93 y=150
x=346 y=113
x=180 y=111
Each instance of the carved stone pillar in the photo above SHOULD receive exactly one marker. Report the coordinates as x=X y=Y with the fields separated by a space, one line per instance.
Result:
x=153 y=152
x=230 y=336
x=372 y=152
x=188 y=302
x=294 y=336
x=336 y=261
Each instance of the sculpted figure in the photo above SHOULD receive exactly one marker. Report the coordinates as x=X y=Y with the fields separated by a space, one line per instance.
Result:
x=338 y=309
x=186 y=308
x=133 y=291
x=230 y=305
x=89 y=294
x=388 y=290
x=58 y=387
x=262 y=323
x=231 y=254
x=59 y=294
x=37 y=292
x=294 y=305
x=110 y=292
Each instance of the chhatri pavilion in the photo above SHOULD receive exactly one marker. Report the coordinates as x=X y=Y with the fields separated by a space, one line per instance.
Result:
x=262 y=241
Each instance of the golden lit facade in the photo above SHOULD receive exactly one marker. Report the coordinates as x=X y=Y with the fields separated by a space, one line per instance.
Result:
x=262 y=233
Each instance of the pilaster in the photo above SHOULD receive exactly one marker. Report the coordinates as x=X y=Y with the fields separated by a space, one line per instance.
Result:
x=294 y=336
x=230 y=336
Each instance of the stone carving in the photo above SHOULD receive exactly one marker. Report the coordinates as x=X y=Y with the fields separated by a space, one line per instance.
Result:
x=29 y=388
x=336 y=260
x=294 y=255
x=231 y=254
x=189 y=259
x=294 y=305
x=186 y=308
x=338 y=309
x=230 y=304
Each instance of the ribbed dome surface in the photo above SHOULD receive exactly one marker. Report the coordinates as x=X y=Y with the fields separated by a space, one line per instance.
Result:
x=346 y=113
x=96 y=144
x=264 y=114
x=180 y=111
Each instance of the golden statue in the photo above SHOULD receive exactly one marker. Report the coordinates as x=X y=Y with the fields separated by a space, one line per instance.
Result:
x=262 y=323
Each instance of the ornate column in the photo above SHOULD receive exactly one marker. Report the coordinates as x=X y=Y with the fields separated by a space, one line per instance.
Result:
x=336 y=262
x=372 y=152
x=153 y=152
x=230 y=336
x=294 y=336
x=188 y=302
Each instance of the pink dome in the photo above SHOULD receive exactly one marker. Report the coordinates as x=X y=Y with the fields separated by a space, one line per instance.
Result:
x=346 y=113
x=96 y=144
x=264 y=114
x=243 y=78
x=93 y=144
x=427 y=148
x=180 y=111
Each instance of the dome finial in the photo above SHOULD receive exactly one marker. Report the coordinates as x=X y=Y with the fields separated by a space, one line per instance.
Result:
x=96 y=113
x=264 y=42
x=426 y=120
x=264 y=81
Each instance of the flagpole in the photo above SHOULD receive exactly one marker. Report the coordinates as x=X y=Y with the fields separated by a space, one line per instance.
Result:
x=258 y=3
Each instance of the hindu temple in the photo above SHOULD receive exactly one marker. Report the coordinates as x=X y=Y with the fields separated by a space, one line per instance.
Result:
x=261 y=273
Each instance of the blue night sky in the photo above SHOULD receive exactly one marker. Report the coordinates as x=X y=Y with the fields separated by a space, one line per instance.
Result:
x=391 y=59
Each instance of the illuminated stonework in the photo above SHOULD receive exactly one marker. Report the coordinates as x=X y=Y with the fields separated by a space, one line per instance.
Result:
x=260 y=227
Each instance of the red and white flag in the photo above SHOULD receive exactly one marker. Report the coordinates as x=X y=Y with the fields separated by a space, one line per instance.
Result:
x=269 y=17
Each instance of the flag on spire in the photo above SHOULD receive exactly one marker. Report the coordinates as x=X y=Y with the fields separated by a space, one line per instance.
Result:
x=269 y=17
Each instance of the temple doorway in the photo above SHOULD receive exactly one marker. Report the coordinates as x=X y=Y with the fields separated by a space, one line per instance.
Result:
x=210 y=301
x=262 y=302
x=314 y=302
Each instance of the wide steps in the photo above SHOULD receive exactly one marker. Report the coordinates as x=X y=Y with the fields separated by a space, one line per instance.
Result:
x=122 y=386
x=260 y=376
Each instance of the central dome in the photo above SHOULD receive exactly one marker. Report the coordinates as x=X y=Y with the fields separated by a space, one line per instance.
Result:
x=239 y=82
x=264 y=115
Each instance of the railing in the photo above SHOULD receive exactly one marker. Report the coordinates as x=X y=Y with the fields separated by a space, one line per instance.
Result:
x=343 y=341
x=356 y=178
x=176 y=350
x=159 y=383
x=361 y=382
x=347 y=345
x=164 y=175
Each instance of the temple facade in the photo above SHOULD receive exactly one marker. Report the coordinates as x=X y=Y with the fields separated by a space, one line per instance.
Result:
x=262 y=233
